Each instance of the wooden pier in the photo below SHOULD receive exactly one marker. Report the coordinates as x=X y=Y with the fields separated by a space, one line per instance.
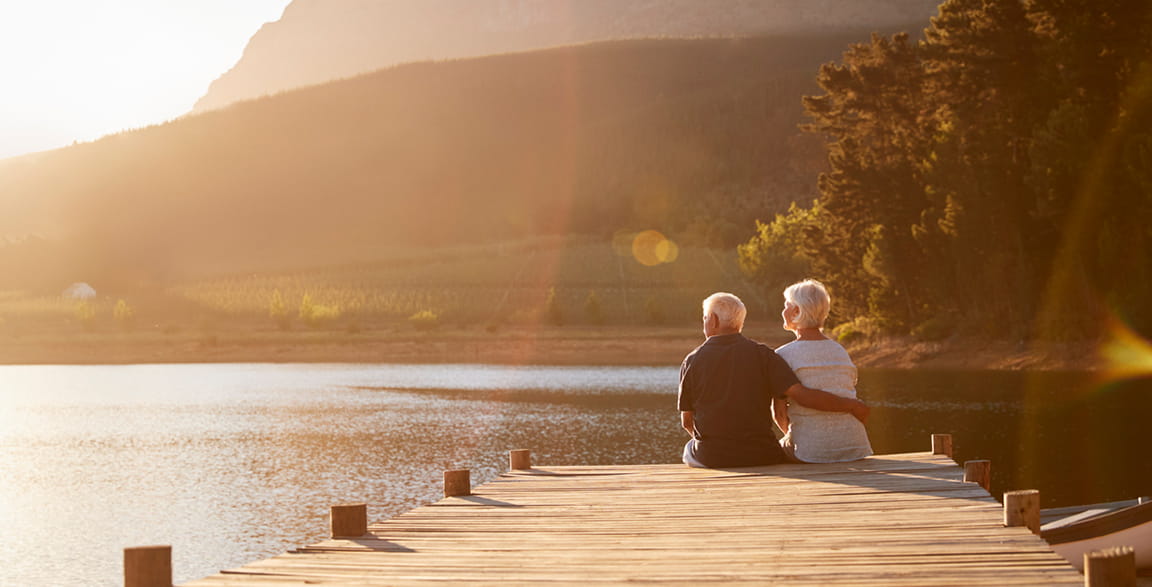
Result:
x=905 y=519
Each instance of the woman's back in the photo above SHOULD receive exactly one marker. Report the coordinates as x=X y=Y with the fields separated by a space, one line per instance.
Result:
x=816 y=436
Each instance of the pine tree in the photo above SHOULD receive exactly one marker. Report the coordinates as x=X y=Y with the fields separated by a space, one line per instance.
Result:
x=874 y=113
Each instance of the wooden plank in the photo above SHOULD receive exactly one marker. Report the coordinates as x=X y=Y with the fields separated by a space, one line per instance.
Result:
x=887 y=520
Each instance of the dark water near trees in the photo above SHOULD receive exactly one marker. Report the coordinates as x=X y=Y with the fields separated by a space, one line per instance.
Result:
x=232 y=463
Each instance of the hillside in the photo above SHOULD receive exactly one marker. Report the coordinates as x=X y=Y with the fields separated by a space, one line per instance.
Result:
x=321 y=40
x=695 y=138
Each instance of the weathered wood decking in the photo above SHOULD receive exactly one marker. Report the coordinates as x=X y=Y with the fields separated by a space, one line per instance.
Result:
x=903 y=519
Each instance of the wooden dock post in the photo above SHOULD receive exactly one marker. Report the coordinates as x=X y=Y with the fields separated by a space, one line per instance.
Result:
x=457 y=483
x=978 y=471
x=520 y=459
x=1022 y=508
x=349 y=520
x=148 y=566
x=1110 y=567
x=942 y=444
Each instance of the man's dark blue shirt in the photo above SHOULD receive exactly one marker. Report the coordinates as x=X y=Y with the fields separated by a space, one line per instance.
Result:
x=729 y=382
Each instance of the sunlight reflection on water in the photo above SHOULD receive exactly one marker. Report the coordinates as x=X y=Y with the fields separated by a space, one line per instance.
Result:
x=232 y=463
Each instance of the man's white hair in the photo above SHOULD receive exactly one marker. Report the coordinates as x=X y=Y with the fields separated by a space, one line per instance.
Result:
x=812 y=298
x=727 y=308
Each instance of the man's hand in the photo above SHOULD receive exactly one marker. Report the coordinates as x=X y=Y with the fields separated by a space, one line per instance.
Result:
x=688 y=421
x=828 y=402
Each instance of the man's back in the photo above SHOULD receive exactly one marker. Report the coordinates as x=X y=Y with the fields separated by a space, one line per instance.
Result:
x=729 y=382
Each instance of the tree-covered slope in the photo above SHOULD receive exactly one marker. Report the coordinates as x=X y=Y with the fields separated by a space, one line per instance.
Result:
x=690 y=137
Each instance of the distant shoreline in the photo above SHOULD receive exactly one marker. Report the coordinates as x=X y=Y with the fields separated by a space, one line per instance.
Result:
x=567 y=345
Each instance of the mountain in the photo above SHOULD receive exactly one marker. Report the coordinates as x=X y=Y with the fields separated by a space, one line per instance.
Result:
x=695 y=138
x=321 y=40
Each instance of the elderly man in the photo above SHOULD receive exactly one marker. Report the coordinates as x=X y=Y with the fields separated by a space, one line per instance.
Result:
x=726 y=389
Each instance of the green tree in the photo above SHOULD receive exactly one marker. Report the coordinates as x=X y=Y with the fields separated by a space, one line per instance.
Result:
x=874 y=117
x=781 y=252
x=983 y=64
x=1007 y=152
x=1086 y=164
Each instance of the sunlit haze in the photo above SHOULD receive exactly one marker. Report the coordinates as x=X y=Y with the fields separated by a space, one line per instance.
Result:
x=75 y=70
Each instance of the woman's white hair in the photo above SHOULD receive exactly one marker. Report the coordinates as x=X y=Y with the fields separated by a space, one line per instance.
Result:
x=812 y=299
x=728 y=308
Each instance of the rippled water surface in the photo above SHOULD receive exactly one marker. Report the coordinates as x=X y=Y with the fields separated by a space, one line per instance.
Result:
x=232 y=463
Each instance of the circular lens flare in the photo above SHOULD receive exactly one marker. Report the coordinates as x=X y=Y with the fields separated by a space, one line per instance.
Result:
x=651 y=248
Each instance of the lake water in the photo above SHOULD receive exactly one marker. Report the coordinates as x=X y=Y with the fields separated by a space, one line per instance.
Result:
x=233 y=463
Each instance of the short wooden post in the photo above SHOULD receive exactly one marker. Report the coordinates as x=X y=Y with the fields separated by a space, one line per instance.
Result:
x=1110 y=567
x=1022 y=508
x=458 y=482
x=520 y=458
x=978 y=471
x=349 y=520
x=148 y=566
x=942 y=444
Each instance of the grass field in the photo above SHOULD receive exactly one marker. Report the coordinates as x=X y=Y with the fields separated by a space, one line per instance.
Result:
x=549 y=281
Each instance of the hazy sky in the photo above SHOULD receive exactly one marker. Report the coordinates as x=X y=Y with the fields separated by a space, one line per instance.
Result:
x=75 y=70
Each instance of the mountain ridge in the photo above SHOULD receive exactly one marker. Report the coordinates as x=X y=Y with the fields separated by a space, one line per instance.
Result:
x=322 y=40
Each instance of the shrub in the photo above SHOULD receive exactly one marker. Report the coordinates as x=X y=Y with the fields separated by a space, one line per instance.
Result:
x=854 y=330
x=315 y=315
x=278 y=311
x=124 y=315
x=933 y=329
x=323 y=313
x=307 y=309
x=424 y=320
x=85 y=314
x=847 y=334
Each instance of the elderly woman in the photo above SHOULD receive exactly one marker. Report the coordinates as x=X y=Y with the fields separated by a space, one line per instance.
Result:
x=813 y=436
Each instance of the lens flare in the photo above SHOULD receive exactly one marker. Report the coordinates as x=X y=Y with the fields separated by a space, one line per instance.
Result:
x=1125 y=354
x=650 y=248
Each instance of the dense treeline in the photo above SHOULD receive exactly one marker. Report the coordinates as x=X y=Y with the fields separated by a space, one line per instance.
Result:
x=695 y=138
x=994 y=177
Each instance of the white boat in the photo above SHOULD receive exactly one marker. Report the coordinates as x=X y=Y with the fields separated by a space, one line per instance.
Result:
x=1073 y=531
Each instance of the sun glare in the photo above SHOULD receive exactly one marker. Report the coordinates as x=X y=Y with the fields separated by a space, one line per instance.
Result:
x=76 y=70
x=1126 y=354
